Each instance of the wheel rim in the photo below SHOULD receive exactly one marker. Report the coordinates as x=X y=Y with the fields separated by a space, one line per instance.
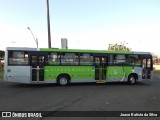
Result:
x=63 y=81
x=132 y=80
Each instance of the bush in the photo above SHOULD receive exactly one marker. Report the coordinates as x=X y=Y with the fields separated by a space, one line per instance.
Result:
x=1 y=73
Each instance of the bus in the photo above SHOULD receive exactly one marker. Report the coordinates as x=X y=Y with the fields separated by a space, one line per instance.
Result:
x=65 y=66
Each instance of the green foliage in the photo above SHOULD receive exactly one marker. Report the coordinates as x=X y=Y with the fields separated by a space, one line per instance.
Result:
x=1 y=58
x=119 y=47
x=2 y=53
x=1 y=73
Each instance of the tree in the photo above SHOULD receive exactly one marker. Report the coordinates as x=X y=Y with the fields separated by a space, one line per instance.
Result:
x=155 y=58
x=2 y=54
x=1 y=58
x=119 y=47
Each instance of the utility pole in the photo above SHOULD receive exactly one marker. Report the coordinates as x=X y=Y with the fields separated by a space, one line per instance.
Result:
x=48 y=20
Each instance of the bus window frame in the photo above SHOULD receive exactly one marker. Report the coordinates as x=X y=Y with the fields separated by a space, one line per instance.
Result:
x=112 y=63
x=120 y=64
x=147 y=56
x=91 y=54
x=77 y=54
x=47 y=59
x=103 y=55
x=18 y=64
x=139 y=58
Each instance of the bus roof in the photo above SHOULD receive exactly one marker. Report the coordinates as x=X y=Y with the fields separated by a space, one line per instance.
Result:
x=92 y=51
x=21 y=48
x=74 y=50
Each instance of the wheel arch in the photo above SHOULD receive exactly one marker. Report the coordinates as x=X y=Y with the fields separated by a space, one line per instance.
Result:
x=133 y=74
x=64 y=74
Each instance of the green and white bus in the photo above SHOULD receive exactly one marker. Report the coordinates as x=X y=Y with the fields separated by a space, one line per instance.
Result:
x=64 y=66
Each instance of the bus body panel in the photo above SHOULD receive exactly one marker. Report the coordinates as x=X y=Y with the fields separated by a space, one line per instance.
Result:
x=118 y=73
x=76 y=73
x=19 y=74
x=138 y=71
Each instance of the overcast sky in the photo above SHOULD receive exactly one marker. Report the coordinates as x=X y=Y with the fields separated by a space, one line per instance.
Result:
x=87 y=24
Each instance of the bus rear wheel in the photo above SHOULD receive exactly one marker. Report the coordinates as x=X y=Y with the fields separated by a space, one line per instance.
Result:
x=63 y=80
x=131 y=79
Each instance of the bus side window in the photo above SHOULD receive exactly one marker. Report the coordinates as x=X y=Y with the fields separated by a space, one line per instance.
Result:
x=86 y=59
x=119 y=59
x=54 y=59
x=69 y=59
x=133 y=60
x=18 y=58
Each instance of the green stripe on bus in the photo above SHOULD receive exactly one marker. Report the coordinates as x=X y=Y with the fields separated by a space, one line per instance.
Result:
x=84 y=51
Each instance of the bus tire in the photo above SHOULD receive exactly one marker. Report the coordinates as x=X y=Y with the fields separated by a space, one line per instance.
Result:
x=63 y=80
x=132 y=79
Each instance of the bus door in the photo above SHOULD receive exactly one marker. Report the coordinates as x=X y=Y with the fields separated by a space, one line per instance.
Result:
x=37 y=67
x=147 y=67
x=100 y=69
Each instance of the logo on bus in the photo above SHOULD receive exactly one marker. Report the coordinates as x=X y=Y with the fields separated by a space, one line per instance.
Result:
x=115 y=72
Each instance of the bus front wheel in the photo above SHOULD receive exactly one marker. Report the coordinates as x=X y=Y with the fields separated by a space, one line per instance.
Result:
x=131 y=79
x=63 y=80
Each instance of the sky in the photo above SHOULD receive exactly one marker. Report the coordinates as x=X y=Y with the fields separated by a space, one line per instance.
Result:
x=87 y=24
